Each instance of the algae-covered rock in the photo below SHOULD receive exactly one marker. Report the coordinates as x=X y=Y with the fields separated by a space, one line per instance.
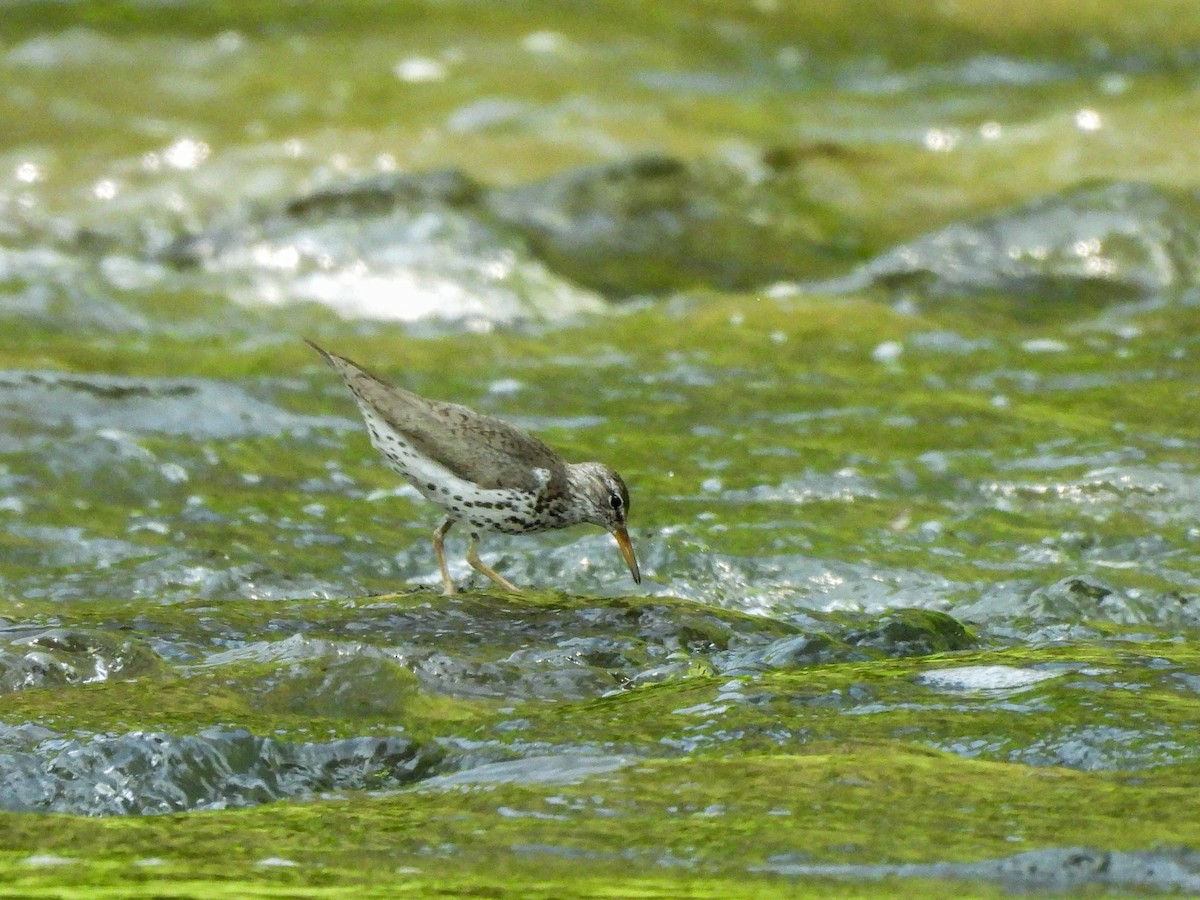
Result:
x=1084 y=598
x=1101 y=242
x=65 y=656
x=904 y=632
x=1057 y=869
x=154 y=772
x=807 y=650
x=911 y=632
x=353 y=687
x=646 y=224
x=656 y=223
x=405 y=247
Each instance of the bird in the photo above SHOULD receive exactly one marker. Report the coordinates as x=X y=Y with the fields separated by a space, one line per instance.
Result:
x=485 y=473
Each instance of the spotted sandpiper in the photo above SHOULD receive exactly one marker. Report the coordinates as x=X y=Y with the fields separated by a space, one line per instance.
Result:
x=482 y=471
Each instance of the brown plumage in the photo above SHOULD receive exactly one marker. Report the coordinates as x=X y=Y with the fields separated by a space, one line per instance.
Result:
x=482 y=470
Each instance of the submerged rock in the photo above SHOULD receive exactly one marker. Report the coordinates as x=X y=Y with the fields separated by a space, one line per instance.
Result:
x=1084 y=598
x=61 y=656
x=379 y=195
x=404 y=247
x=439 y=245
x=109 y=404
x=1100 y=242
x=904 y=632
x=1053 y=868
x=911 y=632
x=152 y=772
x=656 y=224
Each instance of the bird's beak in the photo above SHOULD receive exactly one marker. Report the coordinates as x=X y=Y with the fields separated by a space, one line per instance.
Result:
x=622 y=537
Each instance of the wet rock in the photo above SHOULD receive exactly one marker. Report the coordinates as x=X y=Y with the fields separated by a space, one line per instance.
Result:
x=912 y=632
x=994 y=680
x=585 y=668
x=1083 y=598
x=802 y=651
x=25 y=736
x=1106 y=748
x=109 y=464
x=906 y=632
x=361 y=687
x=60 y=292
x=679 y=626
x=1054 y=868
x=44 y=548
x=673 y=669
x=188 y=407
x=392 y=248
x=654 y=224
x=380 y=195
x=475 y=647
x=557 y=769
x=61 y=656
x=1101 y=242
x=151 y=772
x=384 y=192
x=647 y=224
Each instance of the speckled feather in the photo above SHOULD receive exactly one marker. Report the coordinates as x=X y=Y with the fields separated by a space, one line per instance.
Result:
x=483 y=471
x=484 y=450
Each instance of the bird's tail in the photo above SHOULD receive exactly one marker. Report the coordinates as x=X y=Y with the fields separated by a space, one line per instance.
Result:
x=329 y=358
x=350 y=371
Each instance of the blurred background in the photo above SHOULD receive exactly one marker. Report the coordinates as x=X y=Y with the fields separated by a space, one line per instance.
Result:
x=882 y=309
x=742 y=251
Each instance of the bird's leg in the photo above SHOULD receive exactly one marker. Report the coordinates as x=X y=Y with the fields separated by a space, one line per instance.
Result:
x=480 y=566
x=439 y=536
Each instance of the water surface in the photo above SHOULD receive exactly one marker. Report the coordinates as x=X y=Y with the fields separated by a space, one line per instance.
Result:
x=889 y=321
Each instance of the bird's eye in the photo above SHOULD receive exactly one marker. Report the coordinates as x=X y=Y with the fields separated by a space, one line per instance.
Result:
x=615 y=500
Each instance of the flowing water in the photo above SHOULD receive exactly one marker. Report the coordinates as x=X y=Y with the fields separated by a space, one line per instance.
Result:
x=888 y=318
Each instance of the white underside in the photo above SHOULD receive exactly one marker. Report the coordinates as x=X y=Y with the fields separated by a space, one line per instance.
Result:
x=441 y=486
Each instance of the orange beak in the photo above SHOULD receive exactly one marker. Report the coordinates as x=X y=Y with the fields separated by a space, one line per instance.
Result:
x=622 y=537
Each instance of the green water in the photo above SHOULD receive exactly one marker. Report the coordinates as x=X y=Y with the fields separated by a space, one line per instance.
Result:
x=913 y=475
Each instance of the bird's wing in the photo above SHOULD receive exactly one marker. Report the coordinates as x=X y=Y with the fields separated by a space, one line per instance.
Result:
x=482 y=449
x=495 y=453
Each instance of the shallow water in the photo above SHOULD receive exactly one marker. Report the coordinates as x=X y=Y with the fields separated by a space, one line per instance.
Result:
x=895 y=344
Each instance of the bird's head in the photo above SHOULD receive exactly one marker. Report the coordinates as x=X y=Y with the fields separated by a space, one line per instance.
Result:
x=605 y=501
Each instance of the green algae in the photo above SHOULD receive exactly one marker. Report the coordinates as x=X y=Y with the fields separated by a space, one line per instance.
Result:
x=862 y=150
x=805 y=355
x=702 y=821
x=1095 y=688
x=719 y=784
x=1100 y=685
x=324 y=694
